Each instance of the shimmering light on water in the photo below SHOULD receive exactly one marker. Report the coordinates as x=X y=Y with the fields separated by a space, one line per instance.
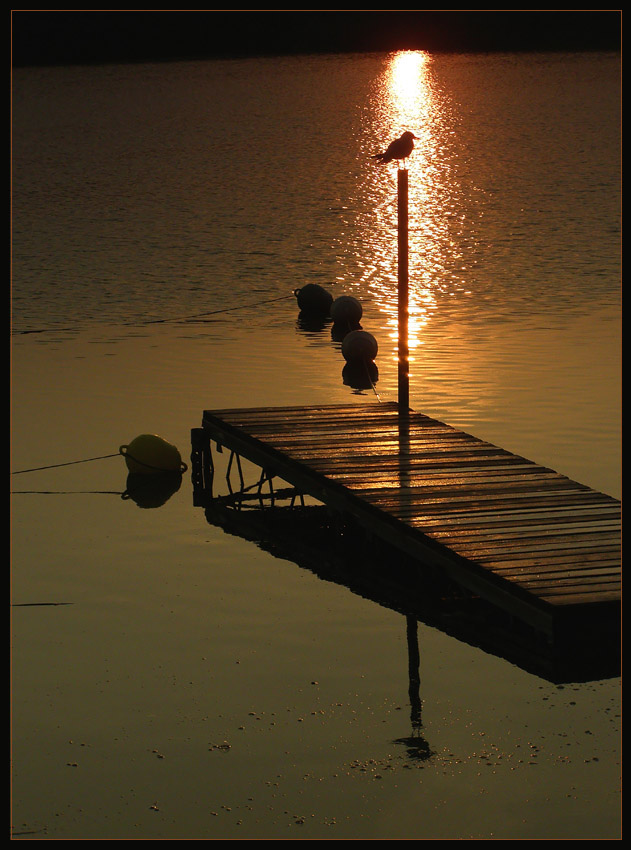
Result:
x=410 y=99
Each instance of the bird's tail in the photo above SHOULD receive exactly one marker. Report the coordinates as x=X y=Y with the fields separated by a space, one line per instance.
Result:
x=380 y=157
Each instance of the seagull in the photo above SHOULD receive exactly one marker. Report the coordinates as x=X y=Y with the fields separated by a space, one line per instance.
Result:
x=399 y=149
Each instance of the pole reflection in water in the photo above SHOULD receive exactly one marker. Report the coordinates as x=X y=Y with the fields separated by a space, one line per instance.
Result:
x=416 y=745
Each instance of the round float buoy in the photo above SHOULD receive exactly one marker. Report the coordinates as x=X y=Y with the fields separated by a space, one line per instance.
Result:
x=346 y=310
x=149 y=454
x=359 y=345
x=313 y=298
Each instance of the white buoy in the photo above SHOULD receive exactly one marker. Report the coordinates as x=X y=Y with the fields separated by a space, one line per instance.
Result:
x=346 y=310
x=359 y=345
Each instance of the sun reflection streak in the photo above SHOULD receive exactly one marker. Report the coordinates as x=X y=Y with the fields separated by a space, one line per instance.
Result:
x=407 y=84
x=408 y=100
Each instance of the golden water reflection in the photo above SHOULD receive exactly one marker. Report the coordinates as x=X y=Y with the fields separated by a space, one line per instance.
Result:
x=407 y=98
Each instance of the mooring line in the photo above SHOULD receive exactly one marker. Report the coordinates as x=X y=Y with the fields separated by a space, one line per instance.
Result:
x=132 y=323
x=67 y=492
x=37 y=605
x=214 y=312
x=68 y=463
x=374 y=388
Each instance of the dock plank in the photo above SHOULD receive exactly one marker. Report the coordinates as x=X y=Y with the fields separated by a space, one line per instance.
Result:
x=476 y=509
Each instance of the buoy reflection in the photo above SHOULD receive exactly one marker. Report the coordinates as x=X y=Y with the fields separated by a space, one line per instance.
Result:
x=360 y=375
x=151 y=491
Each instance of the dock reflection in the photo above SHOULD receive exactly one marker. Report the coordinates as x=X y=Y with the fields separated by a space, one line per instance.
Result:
x=277 y=518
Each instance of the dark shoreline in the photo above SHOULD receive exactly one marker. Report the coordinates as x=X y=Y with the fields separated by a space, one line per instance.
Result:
x=103 y=37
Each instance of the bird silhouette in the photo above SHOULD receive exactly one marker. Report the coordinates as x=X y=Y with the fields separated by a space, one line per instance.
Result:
x=399 y=149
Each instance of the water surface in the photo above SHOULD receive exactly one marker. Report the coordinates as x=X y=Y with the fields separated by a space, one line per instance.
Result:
x=195 y=686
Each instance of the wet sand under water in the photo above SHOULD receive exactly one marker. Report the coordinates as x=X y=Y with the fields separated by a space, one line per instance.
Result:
x=174 y=681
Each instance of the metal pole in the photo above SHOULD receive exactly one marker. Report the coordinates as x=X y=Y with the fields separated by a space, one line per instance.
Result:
x=403 y=291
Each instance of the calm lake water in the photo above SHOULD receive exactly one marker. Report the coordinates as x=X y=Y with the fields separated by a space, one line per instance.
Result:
x=192 y=685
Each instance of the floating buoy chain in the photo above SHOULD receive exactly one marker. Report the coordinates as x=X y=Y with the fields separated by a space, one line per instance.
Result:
x=359 y=348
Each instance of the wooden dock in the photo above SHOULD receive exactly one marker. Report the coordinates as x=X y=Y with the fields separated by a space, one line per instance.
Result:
x=521 y=536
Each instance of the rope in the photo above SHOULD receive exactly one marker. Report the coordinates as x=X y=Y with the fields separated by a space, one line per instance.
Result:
x=372 y=384
x=164 y=321
x=67 y=492
x=214 y=312
x=68 y=463
x=182 y=469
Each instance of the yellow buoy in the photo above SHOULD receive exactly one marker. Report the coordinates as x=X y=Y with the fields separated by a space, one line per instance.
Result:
x=149 y=454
